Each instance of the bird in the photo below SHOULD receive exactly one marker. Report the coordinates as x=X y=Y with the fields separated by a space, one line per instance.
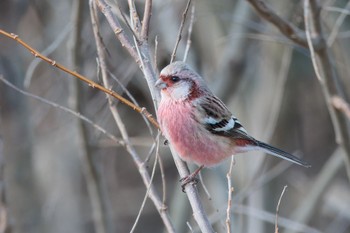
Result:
x=199 y=125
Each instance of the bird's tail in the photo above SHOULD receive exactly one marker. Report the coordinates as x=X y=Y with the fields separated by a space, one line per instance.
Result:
x=282 y=154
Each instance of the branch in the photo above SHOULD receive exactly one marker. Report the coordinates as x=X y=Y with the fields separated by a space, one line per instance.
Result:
x=82 y=78
x=230 y=190
x=286 y=28
x=117 y=29
x=179 y=35
x=146 y=19
x=278 y=207
x=147 y=179
x=326 y=75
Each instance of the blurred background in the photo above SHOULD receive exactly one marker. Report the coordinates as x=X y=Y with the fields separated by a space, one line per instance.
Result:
x=62 y=174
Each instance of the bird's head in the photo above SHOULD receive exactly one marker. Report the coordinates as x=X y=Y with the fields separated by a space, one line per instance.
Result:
x=179 y=82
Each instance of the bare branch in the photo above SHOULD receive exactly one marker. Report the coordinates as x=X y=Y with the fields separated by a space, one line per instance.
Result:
x=82 y=78
x=190 y=27
x=326 y=75
x=229 y=199
x=179 y=35
x=117 y=29
x=151 y=191
x=286 y=28
x=68 y=110
x=278 y=207
x=146 y=19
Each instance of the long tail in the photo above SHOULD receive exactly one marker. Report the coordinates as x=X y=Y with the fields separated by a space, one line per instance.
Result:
x=282 y=154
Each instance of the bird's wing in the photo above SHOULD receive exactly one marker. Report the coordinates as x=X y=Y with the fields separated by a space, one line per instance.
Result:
x=220 y=121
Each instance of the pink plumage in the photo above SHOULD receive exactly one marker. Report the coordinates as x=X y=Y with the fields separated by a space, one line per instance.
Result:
x=198 y=124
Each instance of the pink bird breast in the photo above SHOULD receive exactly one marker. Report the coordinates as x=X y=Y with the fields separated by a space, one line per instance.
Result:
x=190 y=139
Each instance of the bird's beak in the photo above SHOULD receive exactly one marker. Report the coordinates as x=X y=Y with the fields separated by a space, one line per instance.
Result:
x=160 y=84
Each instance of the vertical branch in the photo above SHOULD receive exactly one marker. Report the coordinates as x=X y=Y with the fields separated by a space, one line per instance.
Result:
x=229 y=199
x=88 y=166
x=326 y=75
x=150 y=76
x=179 y=35
x=153 y=194
x=278 y=207
x=190 y=27
x=146 y=19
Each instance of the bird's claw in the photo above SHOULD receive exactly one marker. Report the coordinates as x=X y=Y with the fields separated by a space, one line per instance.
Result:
x=193 y=180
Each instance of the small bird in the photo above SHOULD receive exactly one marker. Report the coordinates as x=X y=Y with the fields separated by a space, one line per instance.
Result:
x=199 y=125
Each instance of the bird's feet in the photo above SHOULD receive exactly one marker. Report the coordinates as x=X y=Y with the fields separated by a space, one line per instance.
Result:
x=190 y=179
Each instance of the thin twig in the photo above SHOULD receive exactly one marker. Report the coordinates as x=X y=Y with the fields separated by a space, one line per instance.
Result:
x=229 y=198
x=148 y=188
x=131 y=97
x=336 y=27
x=65 y=109
x=189 y=227
x=204 y=186
x=146 y=19
x=82 y=78
x=190 y=27
x=270 y=218
x=117 y=29
x=52 y=47
x=278 y=207
x=179 y=35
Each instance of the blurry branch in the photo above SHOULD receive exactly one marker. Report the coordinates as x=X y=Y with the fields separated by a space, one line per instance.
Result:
x=311 y=201
x=143 y=58
x=70 y=111
x=148 y=187
x=179 y=35
x=52 y=47
x=82 y=78
x=286 y=28
x=335 y=30
x=290 y=224
x=326 y=75
x=190 y=27
x=278 y=207
x=151 y=191
x=4 y=227
x=90 y=173
x=341 y=105
x=313 y=39
x=127 y=92
x=232 y=58
x=229 y=199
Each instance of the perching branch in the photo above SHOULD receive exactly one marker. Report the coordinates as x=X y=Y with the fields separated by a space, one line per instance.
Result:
x=152 y=193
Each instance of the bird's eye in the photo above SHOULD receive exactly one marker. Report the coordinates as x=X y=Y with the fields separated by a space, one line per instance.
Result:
x=175 y=79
